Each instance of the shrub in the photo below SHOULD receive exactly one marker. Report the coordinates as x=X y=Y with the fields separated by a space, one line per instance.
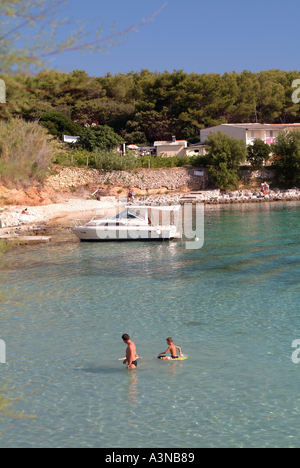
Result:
x=136 y=138
x=258 y=153
x=160 y=162
x=225 y=154
x=26 y=150
x=100 y=137
x=58 y=124
x=200 y=161
x=114 y=161
x=102 y=160
x=287 y=158
x=76 y=158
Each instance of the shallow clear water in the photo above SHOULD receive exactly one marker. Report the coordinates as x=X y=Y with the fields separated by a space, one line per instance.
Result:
x=232 y=306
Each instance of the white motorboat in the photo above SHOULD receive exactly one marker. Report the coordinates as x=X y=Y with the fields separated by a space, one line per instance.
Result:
x=134 y=223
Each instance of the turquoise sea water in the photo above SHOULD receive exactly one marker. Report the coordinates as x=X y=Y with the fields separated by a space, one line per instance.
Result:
x=232 y=306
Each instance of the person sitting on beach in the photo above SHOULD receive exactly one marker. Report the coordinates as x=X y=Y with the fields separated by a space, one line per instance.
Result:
x=25 y=212
x=173 y=351
x=131 y=355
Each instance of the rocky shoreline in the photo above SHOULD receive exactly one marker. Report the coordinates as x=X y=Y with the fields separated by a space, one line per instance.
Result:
x=242 y=196
x=223 y=197
x=12 y=217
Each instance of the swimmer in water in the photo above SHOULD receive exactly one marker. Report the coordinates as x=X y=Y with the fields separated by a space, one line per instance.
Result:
x=131 y=356
x=173 y=351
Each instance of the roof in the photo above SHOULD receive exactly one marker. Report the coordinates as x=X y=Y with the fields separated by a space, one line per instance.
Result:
x=173 y=143
x=259 y=126
x=197 y=144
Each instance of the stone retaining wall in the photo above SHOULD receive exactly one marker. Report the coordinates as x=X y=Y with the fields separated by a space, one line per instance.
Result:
x=266 y=174
x=143 y=179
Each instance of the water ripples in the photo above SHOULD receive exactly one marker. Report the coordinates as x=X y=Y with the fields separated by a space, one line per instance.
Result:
x=232 y=306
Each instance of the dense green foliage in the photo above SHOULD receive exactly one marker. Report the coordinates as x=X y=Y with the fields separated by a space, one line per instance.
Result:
x=109 y=160
x=100 y=137
x=225 y=154
x=287 y=158
x=59 y=124
x=143 y=106
x=174 y=161
x=258 y=153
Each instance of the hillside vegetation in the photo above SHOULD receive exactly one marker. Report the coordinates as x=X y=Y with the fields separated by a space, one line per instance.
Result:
x=143 y=106
x=139 y=108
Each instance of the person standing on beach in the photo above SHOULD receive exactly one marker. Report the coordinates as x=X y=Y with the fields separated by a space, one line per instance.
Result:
x=131 y=356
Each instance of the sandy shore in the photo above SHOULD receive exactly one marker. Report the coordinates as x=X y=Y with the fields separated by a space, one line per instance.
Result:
x=12 y=217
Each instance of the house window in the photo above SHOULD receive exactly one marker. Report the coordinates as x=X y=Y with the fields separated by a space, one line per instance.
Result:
x=252 y=134
x=271 y=134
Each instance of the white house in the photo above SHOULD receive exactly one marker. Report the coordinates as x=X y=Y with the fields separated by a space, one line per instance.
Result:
x=170 y=148
x=196 y=149
x=249 y=131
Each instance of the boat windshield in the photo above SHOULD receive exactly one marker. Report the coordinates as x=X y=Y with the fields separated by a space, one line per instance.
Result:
x=132 y=213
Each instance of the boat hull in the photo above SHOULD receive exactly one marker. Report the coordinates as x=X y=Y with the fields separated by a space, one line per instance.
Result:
x=87 y=234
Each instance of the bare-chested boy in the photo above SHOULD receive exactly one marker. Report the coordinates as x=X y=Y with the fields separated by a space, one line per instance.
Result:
x=173 y=350
x=131 y=356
